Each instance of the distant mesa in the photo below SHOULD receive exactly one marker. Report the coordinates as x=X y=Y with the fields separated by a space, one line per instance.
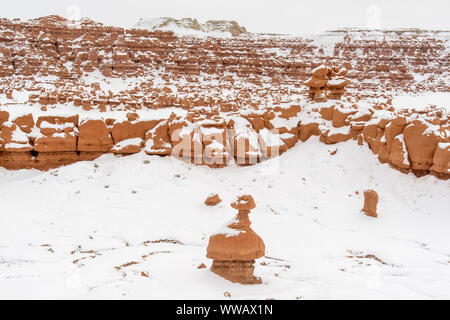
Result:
x=190 y=26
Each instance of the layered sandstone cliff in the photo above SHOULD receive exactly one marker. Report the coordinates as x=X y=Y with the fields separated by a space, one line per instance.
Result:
x=72 y=91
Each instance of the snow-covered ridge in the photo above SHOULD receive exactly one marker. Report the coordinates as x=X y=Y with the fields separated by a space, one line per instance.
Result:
x=189 y=26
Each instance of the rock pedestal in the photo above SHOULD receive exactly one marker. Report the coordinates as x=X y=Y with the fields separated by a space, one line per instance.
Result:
x=370 y=203
x=235 y=247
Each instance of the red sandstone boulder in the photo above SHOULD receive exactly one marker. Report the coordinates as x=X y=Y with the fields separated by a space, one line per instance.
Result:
x=157 y=140
x=256 y=120
x=398 y=156
x=392 y=129
x=244 y=202
x=271 y=143
x=327 y=82
x=326 y=111
x=128 y=146
x=88 y=155
x=320 y=72
x=315 y=83
x=337 y=83
x=131 y=129
x=333 y=136
x=213 y=200
x=216 y=146
x=373 y=135
x=341 y=113
x=187 y=141
x=308 y=129
x=383 y=153
x=245 y=143
x=370 y=203
x=4 y=116
x=441 y=160
x=421 y=141
x=284 y=122
x=363 y=115
x=69 y=121
x=25 y=122
x=59 y=135
x=12 y=139
x=93 y=136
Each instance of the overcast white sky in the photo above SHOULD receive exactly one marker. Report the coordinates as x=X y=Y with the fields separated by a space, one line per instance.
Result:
x=279 y=16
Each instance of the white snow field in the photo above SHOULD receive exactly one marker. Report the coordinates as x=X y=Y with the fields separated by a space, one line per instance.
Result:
x=123 y=227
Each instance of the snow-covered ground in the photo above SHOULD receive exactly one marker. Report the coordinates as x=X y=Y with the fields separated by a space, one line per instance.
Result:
x=137 y=227
x=423 y=101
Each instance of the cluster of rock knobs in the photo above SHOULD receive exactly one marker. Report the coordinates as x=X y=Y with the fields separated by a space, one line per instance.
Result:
x=327 y=82
x=235 y=247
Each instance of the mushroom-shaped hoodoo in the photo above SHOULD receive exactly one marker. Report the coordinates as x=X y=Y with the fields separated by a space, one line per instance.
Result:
x=235 y=247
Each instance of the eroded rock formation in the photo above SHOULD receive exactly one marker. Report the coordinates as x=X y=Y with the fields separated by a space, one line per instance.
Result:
x=327 y=82
x=235 y=247
x=370 y=203
x=71 y=91
x=192 y=26
x=213 y=200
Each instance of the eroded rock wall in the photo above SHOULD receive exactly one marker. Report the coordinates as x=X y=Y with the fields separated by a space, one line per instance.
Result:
x=406 y=140
x=73 y=91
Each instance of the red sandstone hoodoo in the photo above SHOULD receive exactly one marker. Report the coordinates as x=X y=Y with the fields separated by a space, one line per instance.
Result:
x=370 y=203
x=327 y=82
x=235 y=247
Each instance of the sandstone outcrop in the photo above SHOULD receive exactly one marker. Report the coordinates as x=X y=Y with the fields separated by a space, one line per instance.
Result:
x=157 y=140
x=215 y=100
x=213 y=200
x=244 y=141
x=370 y=203
x=4 y=116
x=327 y=82
x=94 y=136
x=187 y=142
x=13 y=139
x=57 y=134
x=421 y=143
x=128 y=146
x=398 y=156
x=235 y=247
x=216 y=152
x=441 y=161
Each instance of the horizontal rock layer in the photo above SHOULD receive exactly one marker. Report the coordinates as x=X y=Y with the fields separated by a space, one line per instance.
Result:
x=71 y=91
x=408 y=141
